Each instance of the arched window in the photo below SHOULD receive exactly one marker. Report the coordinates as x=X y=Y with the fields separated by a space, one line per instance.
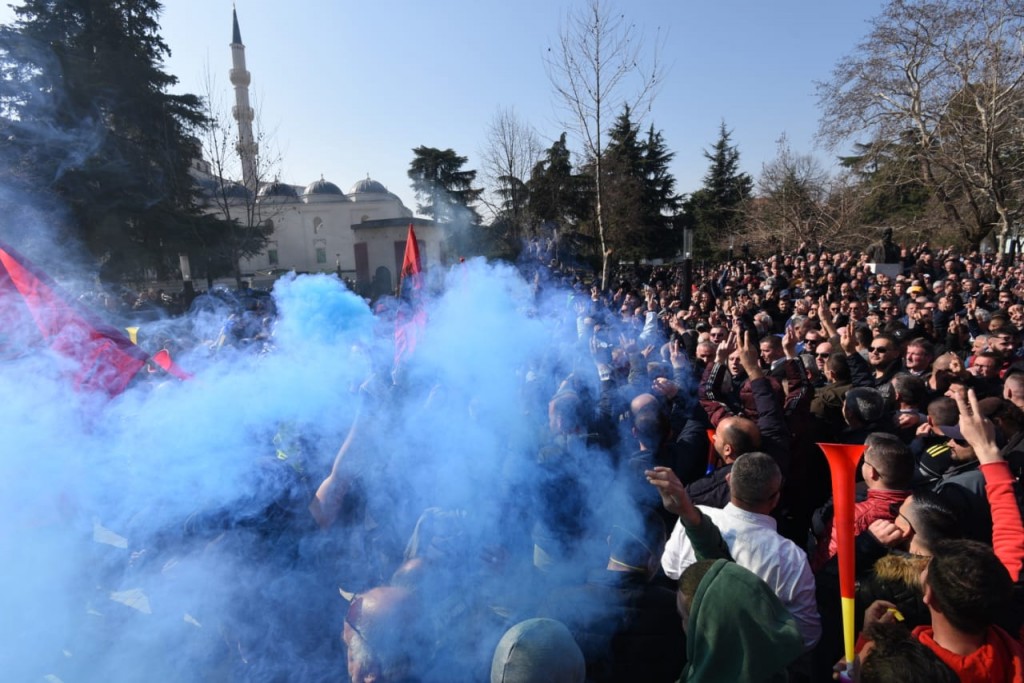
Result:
x=318 y=225
x=268 y=226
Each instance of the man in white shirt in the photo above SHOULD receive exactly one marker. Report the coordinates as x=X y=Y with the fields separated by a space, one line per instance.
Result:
x=750 y=533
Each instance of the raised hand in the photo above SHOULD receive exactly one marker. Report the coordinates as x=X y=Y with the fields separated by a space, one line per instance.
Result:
x=978 y=430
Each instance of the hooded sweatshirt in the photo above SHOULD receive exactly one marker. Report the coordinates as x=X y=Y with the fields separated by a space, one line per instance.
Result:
x=538 y=651
x=1001 y=658
x=738 y=631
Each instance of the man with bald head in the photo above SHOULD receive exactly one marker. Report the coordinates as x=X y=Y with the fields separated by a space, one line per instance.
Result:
x=733 y=437
x=1013 y=389
x=380 y=635
x=736 y=435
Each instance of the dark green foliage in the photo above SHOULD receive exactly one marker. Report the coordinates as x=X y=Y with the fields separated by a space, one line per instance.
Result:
x=444 y=191
x=623 y=194
x=88 y=125
x=889 y=182
x=639 y=193
x=557 y=194
x=716 y=209
x=662 y=205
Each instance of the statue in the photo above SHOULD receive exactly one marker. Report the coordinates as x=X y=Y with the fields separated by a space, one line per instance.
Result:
x=885 y=251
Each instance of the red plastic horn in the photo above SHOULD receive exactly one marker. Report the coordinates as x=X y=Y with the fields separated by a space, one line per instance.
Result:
x=842 y=462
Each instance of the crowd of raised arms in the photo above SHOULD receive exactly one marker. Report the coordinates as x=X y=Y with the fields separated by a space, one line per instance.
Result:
x=677 y=522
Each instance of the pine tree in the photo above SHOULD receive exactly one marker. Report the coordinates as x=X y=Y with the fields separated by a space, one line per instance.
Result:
x=557 y=194
x=444 y=191
x=893 y=194
x=90 y=126
x=623 y=170
x=661 y=203
x=641 y=201
x=717 y=208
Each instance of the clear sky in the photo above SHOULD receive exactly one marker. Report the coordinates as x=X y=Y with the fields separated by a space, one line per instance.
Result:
x=347 y=89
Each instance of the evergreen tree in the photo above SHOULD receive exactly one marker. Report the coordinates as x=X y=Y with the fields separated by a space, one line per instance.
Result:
x=88 y=125
x=892 y=191
x=717 y=208
x=641 y=202
x=444 y=191
x=661 y=203
x=623 y=170
x=557 y=194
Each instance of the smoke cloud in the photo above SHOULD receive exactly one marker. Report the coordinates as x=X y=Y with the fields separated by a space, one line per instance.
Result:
x=165 y=535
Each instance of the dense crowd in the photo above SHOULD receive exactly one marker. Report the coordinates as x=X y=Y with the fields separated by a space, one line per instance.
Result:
x=672 y=519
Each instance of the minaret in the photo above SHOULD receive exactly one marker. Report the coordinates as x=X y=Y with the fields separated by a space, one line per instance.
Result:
x=246 y=145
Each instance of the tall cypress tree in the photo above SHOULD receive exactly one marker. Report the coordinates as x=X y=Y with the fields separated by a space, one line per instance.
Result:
x=90 y=126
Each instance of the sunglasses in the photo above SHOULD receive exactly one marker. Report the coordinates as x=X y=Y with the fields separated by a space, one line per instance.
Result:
x=879 y=349
x=823 y=355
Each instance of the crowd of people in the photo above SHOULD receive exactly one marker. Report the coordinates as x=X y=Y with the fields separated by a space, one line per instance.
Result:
x=672 y=519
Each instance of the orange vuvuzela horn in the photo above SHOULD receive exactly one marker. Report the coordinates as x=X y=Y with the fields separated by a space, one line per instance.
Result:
x=842 y=462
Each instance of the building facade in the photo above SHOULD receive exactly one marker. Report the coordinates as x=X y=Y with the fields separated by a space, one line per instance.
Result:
x=316 y=227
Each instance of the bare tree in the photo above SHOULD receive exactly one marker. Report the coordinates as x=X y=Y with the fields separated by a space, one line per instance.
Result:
x=512 y=150
x=596 y=69
x=945 y=76
x=238 y=172
x=797 y=201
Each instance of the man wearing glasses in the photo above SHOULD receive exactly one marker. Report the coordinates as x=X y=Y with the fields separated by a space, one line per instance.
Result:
x=881 y=366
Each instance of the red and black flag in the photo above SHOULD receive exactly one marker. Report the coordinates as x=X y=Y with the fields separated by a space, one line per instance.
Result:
x=35 y=312
x=411 y=318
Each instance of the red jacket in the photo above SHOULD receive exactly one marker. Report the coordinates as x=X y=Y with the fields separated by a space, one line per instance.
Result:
x=1007 y=529
x=880 y=504
x=1001 y=658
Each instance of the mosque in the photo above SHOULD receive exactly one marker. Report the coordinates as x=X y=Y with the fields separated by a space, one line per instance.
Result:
x=316 y=227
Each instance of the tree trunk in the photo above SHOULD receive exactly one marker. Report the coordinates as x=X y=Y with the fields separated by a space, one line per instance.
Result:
x=598 y=186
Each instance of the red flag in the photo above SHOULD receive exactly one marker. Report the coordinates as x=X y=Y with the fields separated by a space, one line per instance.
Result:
x=163 y=359
x=411 y=265
x=410 y=319
x=105 y=358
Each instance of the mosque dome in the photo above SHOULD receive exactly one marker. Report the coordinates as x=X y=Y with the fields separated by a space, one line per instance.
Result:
x=278 y=190
x=368 y=186
x=234 y=190
x=323 y=187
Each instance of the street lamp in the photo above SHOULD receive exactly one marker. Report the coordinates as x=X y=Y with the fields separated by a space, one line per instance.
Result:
x=687 y=265
x=188 y=288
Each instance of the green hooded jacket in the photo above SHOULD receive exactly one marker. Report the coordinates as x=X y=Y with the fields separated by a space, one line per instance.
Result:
x=738 y=631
